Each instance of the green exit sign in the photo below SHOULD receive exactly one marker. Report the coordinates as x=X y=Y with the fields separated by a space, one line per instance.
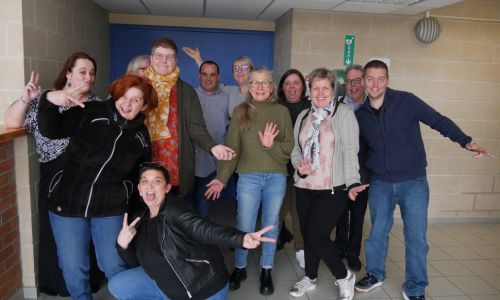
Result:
x=349 y=49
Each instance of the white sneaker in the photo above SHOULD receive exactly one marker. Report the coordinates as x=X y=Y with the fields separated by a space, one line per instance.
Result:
x=299 y=256
x=346 y=286
x=302 y=286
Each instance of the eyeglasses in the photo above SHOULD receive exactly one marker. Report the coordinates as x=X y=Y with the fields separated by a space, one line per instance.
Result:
x=241 y=68
x=354 y=81
x=264 y=84
x=159 y=56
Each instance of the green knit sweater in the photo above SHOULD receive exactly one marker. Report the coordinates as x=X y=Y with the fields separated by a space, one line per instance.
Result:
x=251 y=156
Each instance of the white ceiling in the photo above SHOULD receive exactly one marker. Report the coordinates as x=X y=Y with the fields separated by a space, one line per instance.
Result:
x=265 y=10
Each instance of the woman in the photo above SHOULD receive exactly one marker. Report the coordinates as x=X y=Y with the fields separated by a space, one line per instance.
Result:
x=173 y=250
x=138 y=64
x=79 y=69
x=261 y=134
x=242 y=66
x=292 y=94
x=325 y=156
x=177 y=124
x=92 y=181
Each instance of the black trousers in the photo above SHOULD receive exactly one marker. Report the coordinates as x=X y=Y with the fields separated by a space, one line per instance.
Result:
x=319 y=212
x=350 y=227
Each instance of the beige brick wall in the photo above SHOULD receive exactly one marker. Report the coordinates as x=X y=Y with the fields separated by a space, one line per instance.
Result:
x=11 y=53
x=55 y=29
x=459 y=75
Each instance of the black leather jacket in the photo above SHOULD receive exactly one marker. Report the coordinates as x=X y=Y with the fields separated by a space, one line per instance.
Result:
x=188 y=245
x=96 y=175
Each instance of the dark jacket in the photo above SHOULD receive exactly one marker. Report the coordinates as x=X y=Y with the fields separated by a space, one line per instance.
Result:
x=188 y=245
x=395 y=149
x=192 y=130
x=97 y=173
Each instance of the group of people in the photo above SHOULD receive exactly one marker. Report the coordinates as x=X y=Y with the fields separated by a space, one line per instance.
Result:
x=117 y=173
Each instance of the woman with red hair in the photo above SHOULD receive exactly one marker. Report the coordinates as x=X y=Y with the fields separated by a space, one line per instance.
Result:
x=94 y=178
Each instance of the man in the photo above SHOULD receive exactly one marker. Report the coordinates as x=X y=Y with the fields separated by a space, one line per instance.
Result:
x=389 y=126
x=215 y=107
x=350 y=227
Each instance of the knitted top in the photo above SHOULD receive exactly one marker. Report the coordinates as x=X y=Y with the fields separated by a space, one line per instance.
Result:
x=251 y=156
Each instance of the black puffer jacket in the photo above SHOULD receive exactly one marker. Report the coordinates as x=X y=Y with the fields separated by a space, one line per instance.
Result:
x=188 y=245
x=96 y=175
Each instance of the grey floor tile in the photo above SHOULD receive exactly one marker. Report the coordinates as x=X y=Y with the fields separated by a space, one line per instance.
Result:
x=493 y=280
x=488 y=252
x=249 y=290
x=471 y=239
x=461 y=252
x=481 y=267
x=435 y=253
x=442 y=240
x=450 y=268
x=473 y=285
x=392 y=286
x=452 y=298
x=467 y=254
x=378 y=293
x=440 y=286
x=485 y=297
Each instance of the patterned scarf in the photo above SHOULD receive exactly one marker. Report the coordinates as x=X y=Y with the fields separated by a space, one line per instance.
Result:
x=311 y=144
x=157 y=119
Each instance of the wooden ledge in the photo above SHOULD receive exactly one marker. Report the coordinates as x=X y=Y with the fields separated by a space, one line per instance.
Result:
x=9 y=134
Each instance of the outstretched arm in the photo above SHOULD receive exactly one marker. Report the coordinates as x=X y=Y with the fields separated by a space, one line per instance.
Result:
x=480 y=151
x=16 y=113
x=194 y=53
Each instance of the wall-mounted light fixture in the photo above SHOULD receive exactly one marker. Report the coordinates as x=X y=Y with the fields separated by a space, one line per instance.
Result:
x=427 y=29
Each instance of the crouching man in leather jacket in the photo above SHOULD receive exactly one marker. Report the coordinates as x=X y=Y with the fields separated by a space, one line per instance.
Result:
x=171 y=249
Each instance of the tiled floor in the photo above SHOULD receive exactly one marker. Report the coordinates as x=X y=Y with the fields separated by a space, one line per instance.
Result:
x=463 y=263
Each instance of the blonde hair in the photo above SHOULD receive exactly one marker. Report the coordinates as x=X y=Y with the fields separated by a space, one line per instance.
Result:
x=245 y=112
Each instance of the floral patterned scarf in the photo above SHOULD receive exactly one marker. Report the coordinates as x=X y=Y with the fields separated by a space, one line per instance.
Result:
x=157 y=119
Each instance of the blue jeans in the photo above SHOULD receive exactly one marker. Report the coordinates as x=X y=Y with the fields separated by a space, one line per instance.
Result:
x=201 y=204
x=254 y=189
x=412 y=196
x=72 y=236
x=135 y=283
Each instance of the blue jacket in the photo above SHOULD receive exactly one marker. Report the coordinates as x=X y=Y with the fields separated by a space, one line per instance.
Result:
x=393 y=141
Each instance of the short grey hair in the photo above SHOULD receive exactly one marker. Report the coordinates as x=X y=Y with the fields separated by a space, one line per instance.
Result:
x=135 y=63
x=354 y=67
x=321 y=73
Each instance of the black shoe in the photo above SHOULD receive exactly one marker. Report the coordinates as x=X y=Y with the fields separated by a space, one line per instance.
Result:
x=284 y=237
x=354 y=263
x=236 y=278
x=367 y=283
x=266 y=282
x=406 y=297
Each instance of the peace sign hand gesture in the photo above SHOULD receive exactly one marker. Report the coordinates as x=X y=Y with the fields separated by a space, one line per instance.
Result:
x=127 y=233
x=67 y=97
x=253 y=240
x=32 y=88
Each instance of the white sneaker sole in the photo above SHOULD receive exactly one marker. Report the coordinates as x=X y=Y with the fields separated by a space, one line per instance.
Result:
x=376 y=285
x=293 y=294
